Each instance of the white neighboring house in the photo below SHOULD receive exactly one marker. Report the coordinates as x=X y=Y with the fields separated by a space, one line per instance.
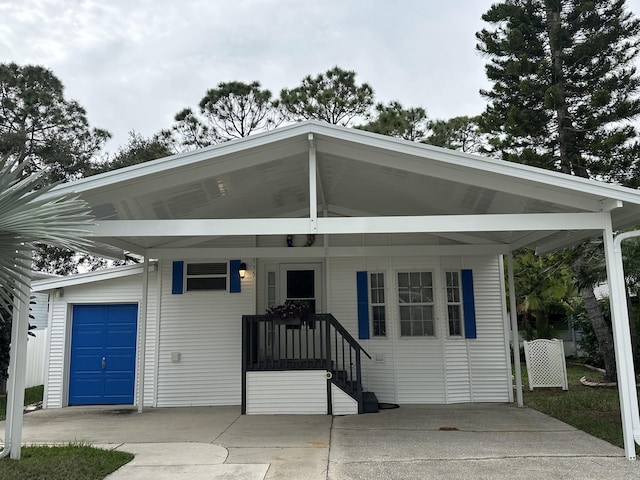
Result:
x=397 y=246
x=39 y=303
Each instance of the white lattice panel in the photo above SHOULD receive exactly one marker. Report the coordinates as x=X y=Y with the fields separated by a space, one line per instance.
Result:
x=546 y=365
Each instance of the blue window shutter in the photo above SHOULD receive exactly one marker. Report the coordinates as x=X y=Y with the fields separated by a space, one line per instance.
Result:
x=363 y=305
x=468 y=304
x=234 y=276
x=177 y=278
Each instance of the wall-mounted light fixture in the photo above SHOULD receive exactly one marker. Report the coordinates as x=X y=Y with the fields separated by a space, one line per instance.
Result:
x=242 y=270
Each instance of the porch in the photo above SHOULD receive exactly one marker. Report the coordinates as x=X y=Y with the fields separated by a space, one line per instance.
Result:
x=305 y=366
x=497 y=441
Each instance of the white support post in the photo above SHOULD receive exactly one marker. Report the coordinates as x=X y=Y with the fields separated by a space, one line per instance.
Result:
x=142 y=329
x=515 y=341
x=622 y=339
x=313 y=195
x=17 y=364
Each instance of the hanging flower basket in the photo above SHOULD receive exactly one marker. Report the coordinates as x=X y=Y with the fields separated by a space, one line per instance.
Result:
x=289 y=313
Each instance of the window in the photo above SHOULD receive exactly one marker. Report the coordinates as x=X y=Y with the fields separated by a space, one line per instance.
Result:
x=378 y=308
x=415 y=297
x=454 y=303
x=271 y=289
x=206 y=276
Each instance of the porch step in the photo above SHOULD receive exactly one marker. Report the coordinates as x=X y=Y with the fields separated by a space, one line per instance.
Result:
x=369 y=402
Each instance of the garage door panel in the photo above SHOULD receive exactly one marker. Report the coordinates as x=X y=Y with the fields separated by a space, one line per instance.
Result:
x=121 y=338
x=118 y=363
x=87 y=362
x=118 y=387
x=88 y=337
x=103 y=351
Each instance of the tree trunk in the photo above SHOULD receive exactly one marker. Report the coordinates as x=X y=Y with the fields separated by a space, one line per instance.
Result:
x=603 y=333
x=570 y=158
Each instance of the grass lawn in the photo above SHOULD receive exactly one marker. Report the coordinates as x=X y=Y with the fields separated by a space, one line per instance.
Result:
x=31 y=395
x=595 y=410
x=67 y=462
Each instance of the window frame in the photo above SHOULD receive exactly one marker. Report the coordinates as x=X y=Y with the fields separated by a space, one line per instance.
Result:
x=459 y=303
x=433 y=304
x=373 y=305
x=188 y=276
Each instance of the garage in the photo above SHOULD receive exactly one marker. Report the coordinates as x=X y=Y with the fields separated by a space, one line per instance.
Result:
x=103 y=354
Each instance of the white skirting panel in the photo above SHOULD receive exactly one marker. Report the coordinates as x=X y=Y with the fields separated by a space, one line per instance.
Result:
x=341 y=403
x=299 y=392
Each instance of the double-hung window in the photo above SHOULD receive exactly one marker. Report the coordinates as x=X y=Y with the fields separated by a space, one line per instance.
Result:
x=415 y=297
x=378 y=304
x=454 y=303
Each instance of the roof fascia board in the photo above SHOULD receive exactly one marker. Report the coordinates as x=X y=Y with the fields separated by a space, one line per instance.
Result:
x=322 y=252
x=170 y=176
x=325 y=132
x=184 y=160
x=82 y=278
x=481 y=163
x=347 y=225
x=505 y=181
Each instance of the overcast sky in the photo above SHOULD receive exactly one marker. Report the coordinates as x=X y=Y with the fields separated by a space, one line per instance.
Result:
x=133 y=64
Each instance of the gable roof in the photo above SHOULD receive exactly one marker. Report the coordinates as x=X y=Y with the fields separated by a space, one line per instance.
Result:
x=358 y=174
x=52 y=283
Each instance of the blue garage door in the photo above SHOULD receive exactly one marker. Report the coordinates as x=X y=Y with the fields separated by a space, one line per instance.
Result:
x=103 y=354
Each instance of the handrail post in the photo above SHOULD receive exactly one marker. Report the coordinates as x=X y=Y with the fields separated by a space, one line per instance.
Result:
x=359 y=381
x=327 y=336
x=328 y=342
x=243 y=406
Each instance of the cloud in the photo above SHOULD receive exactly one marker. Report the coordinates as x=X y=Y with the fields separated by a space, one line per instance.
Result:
x=134 y=64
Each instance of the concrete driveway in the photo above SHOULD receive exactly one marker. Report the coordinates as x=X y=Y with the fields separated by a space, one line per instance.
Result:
x=495 y=441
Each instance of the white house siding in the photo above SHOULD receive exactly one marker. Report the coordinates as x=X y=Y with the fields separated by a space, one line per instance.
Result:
x=487 y=354
x=458 y=386
x=341 y=403
x=297 y=392
x=204 y=329
x=428 y=369
x=118 y=290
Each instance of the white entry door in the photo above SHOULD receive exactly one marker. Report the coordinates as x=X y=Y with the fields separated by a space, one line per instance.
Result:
x=302 y=282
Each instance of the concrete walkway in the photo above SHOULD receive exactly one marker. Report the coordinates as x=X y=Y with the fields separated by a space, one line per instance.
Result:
x=413 y=442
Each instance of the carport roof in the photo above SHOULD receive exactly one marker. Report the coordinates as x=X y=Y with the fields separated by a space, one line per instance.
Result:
x=360 y=182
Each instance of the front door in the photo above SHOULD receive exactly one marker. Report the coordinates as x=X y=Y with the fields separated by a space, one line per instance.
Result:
x=288 y=282
x=103 y=354
x=302 y=282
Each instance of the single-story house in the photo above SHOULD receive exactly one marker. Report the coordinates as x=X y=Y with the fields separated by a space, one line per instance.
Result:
x=397 y=248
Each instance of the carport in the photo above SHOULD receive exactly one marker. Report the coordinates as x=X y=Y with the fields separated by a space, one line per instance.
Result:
x=332 y=182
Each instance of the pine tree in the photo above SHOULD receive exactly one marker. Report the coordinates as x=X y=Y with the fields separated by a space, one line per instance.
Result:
x=565 y=88
x=332 y=97
x=565 y=91
x=41 y=128
x=396 y=121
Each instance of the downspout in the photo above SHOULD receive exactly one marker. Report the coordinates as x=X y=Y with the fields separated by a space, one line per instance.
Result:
x=514 y=330
x=622 y=339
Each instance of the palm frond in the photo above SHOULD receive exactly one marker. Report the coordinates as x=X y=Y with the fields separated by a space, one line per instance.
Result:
x=25 y=218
